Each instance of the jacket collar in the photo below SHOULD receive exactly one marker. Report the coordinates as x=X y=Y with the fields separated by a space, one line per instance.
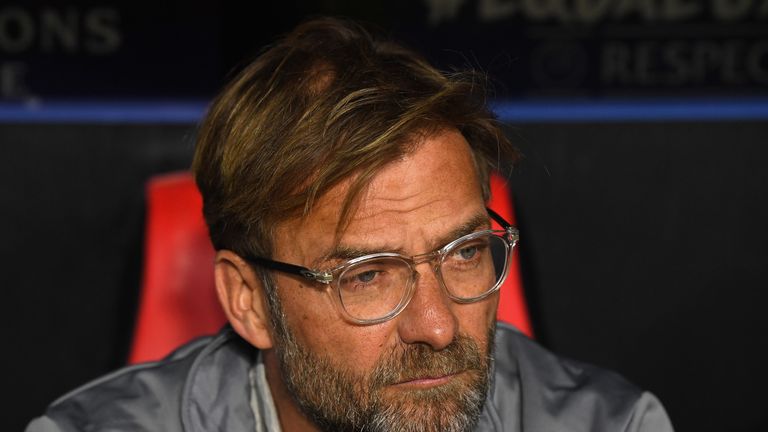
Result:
x=217 y=390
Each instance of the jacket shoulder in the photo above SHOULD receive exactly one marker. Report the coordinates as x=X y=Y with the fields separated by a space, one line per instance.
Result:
x=555 y=393
x=134 y=398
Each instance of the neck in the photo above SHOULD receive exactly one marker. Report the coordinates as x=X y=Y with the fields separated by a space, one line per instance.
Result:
x=292 y=419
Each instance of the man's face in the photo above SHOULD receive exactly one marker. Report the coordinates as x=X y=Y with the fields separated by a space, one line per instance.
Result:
x=427 y=368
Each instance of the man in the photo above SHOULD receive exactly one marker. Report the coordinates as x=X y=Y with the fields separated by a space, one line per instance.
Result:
x=344 y=182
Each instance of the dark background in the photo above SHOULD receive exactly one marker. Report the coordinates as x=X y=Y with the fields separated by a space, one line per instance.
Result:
x=645 y=246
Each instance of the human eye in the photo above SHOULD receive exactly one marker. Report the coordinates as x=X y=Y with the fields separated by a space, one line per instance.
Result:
x=469 y=252
x=363 y=277
x=366 y=276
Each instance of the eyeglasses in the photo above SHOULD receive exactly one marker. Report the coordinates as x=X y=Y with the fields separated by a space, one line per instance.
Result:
x=375 y=288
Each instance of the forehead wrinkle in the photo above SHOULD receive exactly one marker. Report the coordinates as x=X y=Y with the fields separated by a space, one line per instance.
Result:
x=480 y=220
x=340 y=251
x=346 y=252
x=386 y=206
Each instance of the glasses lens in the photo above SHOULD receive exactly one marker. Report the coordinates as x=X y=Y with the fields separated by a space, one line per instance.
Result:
x=474 y=267
x=372 y=289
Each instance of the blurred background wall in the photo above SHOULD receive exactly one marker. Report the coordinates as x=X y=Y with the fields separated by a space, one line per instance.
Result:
x=642 y=198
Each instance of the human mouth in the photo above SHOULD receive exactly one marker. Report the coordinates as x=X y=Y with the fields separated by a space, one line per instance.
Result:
x=427 y=381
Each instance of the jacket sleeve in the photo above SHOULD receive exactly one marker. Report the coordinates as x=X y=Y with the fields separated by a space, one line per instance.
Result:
x=43 y=424
x=649 y=416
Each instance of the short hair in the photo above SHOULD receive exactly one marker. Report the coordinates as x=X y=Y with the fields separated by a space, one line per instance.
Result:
x=328 y=102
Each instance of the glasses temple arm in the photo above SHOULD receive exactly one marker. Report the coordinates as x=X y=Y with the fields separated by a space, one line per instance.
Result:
x=497 y=217
x=287 y=268
x=513 y=234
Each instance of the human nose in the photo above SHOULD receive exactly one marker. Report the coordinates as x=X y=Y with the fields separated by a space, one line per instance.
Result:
x=429 y=317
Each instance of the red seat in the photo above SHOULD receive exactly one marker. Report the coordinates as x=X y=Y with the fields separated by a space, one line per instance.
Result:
x=513 y=308
x=178 y=300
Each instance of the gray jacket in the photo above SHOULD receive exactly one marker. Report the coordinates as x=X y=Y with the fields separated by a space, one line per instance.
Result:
x=204 y=387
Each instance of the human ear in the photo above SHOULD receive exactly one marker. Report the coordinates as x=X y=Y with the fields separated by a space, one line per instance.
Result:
x=243 y=298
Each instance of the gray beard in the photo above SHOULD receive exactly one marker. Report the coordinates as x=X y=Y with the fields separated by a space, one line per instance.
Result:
x=337 y=399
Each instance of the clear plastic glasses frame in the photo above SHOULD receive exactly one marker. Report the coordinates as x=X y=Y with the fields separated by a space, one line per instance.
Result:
x=506 y=239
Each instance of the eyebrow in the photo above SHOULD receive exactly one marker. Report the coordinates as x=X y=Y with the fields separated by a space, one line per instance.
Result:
x=342 y=252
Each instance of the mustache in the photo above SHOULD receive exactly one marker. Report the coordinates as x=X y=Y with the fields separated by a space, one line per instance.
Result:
x=413 y=361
